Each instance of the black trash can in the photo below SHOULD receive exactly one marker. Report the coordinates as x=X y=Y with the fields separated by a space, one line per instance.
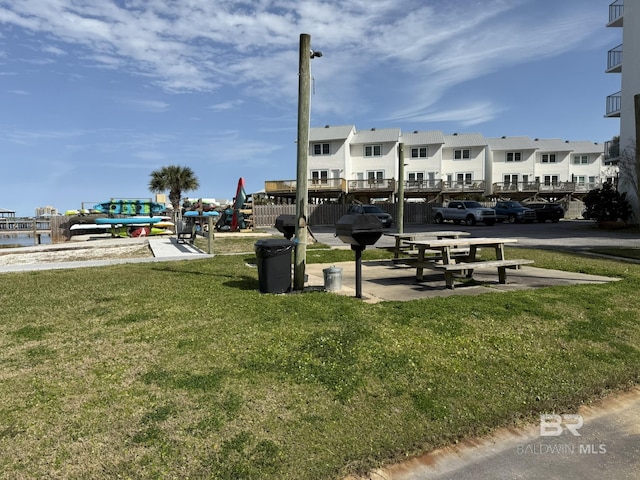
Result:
x=274 y=265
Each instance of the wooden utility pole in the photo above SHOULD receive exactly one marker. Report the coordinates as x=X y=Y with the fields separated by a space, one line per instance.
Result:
x=302 y=188
x=400 y=217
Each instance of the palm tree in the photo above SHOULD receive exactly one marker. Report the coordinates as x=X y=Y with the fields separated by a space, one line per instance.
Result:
x=176 y=179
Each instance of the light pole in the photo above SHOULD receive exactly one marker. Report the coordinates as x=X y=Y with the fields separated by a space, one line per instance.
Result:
x=302 y=188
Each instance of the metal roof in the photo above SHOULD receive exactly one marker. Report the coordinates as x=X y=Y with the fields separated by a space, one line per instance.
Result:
x=511 y=143
x=464 y=140
x=383 y=135
x=584 y=147
x=318 y=134
x=4 y=210
x=429 y=137
x=553 y=145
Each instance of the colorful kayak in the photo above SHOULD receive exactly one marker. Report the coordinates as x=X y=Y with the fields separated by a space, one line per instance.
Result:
x=193 y=213
x=130 y=207
x=142 y=221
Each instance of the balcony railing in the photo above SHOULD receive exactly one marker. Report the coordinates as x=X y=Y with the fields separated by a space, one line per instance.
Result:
x=614 y=105
x=372 y=185
x=533 y=187
x=476 y=186
x=614 y=60
x=616 y=11
x=280 y=186
x=420 y=186
x=327 y=184
x=586 y=187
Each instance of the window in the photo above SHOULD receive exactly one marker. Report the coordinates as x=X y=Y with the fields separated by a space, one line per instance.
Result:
x=548 y=158
x=373 y=150
x=510 y=182
x=514 y=156
x=550 y=180
x=321 y=149
x=419 y=152
x=319 y=176
x=464 y=178
x=416 y=177
x=462 y=154
x=375 y=176
x=580 y=159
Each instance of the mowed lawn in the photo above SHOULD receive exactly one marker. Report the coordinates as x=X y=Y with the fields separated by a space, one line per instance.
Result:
x=184 y=370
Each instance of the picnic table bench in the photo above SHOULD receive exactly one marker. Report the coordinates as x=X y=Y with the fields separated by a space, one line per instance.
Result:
x=447 y=262
x=401 y=246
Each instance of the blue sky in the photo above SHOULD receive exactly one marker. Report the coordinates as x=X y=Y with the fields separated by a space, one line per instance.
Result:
x=97 y=95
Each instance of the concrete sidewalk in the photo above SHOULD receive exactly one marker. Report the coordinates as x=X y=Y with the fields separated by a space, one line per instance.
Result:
x=163 y=248
x=605 y=446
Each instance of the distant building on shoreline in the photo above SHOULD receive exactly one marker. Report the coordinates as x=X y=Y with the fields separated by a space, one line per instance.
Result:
x=47 y=211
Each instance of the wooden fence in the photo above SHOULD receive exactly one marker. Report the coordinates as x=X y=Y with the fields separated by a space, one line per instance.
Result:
x=415 y=213
x=328 y=214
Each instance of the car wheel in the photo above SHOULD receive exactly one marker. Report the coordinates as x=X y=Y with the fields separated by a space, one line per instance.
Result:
x=511 y=219
x=438 y=218
x=471 y=220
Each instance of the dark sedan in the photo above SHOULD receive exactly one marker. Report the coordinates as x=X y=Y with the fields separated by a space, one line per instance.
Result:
x=547 y=211
x=385 y=218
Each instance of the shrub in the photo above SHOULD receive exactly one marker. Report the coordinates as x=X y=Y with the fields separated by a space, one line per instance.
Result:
x=607 y=204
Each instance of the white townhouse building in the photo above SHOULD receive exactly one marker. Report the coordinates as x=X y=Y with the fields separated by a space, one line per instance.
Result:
x=464 y=162
x=623 y=59
x=511 y=162
x=346 y=164
x=422 y=155
x=374 y=162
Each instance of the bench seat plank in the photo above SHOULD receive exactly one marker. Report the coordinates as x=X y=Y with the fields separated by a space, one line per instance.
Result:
x=469 y=267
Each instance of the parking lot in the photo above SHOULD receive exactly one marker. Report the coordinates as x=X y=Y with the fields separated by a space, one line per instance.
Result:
x=566 y=234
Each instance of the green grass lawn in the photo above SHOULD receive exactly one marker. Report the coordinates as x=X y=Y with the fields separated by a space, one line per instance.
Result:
x=184 y=370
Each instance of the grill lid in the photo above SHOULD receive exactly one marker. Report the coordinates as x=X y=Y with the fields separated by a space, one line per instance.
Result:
x=359 y=229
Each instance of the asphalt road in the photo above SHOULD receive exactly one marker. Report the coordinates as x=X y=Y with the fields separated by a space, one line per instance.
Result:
x=566 y=234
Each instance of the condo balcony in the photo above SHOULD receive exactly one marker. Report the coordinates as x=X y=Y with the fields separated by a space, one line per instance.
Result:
x=372 y=185
x=614 y=105
x=611 y=151
x=616 y=11
x=614 y=60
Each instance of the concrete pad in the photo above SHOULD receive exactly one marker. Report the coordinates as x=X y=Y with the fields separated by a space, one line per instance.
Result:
x=384 y=280
x=168 y=247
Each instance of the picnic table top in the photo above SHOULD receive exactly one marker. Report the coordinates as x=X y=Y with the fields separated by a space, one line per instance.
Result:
x=441 y=233
x=459 y=242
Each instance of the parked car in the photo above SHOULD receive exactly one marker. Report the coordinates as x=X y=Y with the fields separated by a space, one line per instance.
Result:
x=385 y=218
x=512 y=212
x=547 y=211
x=467 y=211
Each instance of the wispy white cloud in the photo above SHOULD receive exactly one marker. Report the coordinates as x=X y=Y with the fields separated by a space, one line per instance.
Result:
x=419 y=51
x=469 y=115
x=147 y=105
x=18 y=92
x=223 y=106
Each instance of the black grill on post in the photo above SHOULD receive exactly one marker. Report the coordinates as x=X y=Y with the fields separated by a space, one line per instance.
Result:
x=286 y=224
x=359 y=231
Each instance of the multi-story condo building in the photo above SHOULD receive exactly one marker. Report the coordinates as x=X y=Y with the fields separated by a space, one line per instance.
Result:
x=623 y=59
x=345 y=164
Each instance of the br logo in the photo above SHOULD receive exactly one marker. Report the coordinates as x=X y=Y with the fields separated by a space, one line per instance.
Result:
x=552 y=425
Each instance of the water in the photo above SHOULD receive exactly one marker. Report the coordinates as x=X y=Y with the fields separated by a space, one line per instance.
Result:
x=23 y=240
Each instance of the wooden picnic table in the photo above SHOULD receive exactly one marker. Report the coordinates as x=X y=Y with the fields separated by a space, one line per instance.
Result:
x=401 y=238
x=447 y=247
